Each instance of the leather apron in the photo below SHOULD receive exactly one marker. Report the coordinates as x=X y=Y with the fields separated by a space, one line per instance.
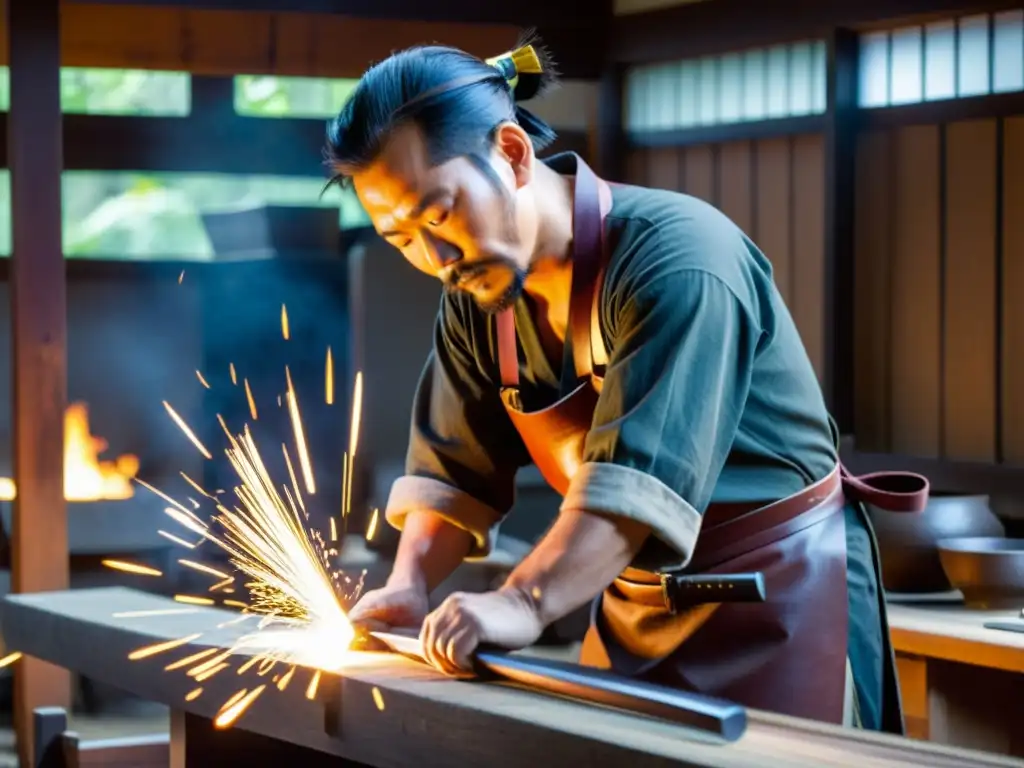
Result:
x=787 y=654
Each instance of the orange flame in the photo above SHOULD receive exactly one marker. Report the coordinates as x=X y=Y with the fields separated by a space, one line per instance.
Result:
x=86 y=477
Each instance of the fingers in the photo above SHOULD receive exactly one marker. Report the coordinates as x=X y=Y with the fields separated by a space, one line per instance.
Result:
x=449 y=637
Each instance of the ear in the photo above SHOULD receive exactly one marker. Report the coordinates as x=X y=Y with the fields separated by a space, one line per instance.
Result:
x=514 y=145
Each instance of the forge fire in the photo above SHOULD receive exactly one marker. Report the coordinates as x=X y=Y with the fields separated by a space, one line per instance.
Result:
x=86 y=476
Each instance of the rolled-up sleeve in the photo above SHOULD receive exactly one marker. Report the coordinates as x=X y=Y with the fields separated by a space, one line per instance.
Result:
x=463 y=449
x=677 y=380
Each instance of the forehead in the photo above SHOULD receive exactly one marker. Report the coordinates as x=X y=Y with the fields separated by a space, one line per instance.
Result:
x=401 y=173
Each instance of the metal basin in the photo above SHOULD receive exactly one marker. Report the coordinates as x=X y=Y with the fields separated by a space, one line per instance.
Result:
x=989 y=571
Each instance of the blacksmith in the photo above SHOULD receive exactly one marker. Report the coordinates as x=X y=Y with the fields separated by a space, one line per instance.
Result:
x=631 y=343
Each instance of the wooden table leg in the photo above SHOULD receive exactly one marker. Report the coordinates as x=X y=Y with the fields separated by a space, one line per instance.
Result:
x=962 y=705
x=195 y=743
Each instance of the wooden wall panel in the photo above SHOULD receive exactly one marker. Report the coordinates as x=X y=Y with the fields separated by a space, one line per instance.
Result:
x=736 y=183
x=699 y=173
x=211 y=42
x=916 y=304
x=969 y=341
x=871 y=288
x=663 y=168
x=1012 y=351
x=808 y=252
x=772 y=232
x=636 y=166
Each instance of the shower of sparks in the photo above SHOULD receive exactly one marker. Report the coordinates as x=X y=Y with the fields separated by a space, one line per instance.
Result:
x=329 y=378
x=284 y=322
x=187 y=430
x=282 y=566
x=139 y=570
x=300 y=435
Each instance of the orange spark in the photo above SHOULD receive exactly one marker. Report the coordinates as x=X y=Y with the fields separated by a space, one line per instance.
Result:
x=202 y=381
x=141 y=570
x=284 y=322
x=187 y=430
x=300 y=436
x=168 y=645
x=252 y=401
x=229 y=715
x=329 y=378
x=311 y=689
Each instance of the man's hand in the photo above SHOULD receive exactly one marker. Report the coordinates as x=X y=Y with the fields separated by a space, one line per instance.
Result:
x=507 y=618
x=394 y=605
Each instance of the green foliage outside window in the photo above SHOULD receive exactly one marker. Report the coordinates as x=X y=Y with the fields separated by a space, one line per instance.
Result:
x=304 y=97
x=150 y=215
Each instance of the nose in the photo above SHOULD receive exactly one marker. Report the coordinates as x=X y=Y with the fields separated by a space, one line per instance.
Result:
x=441 y=253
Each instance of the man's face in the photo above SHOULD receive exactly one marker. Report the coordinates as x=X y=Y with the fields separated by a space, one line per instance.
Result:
x=454 y=221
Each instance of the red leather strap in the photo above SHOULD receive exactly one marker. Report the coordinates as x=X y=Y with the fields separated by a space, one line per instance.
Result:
x=891 y=491
x=593 y=201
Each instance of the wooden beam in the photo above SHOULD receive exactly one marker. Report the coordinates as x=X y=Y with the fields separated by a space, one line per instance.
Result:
x=715 y=134
x=528 y=12
x=454 y=722
x=38 y=320
x=840 y=164
x=230 y=42
x=205 y=144
x=702 y=29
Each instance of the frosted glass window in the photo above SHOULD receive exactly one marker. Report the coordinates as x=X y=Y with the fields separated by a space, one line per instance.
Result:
x=778 y=81
x=636 y=105
x=754 y=84
x=874 y=70
x=801 y=84
x=1008 y=52
x=730 y=92
x=689 y=94
x=905 y=65
x=973 y=56
x=939 y=61
x=707 y=103
x=819 y=71
x=662 y=96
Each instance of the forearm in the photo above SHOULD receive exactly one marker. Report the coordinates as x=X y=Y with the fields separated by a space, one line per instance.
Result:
x=576 y=560
x=429 y=549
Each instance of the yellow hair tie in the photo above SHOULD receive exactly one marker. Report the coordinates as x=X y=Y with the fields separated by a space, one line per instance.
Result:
x=521 y=61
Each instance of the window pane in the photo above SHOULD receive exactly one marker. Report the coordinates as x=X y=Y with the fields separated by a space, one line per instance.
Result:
x=271 y=96
x=636 y=99
x=906 y=63
x=94 y=91
x=152 y=216
x=1008 y=52
x=940 y=61
x=731 y=88
x=778 y=81
x=874 y=70
x=973 y=58
x=819 y=72
x=663 y=95
x=755 y=82
x=707 y=104
x=689 y=94
x=801 y=84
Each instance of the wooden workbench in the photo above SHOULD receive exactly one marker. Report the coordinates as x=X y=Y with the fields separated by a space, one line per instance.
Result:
x=962 y=684
x=426 y=719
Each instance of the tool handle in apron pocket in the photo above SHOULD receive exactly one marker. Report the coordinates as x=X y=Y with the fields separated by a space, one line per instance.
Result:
x=683 y=591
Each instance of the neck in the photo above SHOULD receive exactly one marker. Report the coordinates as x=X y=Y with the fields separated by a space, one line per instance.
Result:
x=551 y=277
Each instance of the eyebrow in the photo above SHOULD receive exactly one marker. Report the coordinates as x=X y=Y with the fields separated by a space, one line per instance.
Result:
x=425 y=202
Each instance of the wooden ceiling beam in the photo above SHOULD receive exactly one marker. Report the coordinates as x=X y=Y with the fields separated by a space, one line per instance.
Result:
x=214 y=42
x=518 y=13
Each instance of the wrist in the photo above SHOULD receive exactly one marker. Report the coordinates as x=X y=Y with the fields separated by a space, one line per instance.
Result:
x=409 y=577
x=530 y=598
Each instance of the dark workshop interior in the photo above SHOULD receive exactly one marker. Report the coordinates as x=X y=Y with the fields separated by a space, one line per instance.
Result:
x=162 y=200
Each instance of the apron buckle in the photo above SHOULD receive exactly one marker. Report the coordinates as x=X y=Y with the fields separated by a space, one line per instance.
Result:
x=683 y=591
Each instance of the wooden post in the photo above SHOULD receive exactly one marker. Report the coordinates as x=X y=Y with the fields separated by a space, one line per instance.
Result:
x=840 y=163
x=38 y=309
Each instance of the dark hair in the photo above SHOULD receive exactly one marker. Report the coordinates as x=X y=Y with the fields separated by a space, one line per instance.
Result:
x=456 y=99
